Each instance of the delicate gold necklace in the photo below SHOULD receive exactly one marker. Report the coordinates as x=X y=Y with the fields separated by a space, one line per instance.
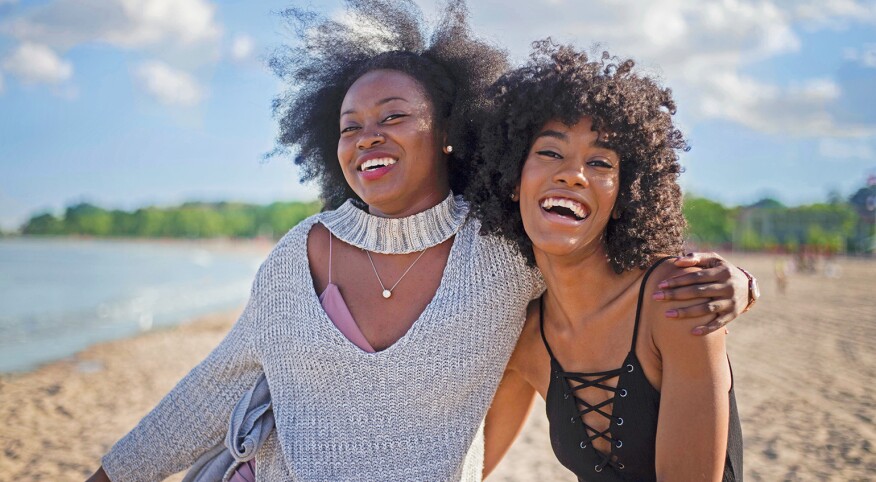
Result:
x=388 y=292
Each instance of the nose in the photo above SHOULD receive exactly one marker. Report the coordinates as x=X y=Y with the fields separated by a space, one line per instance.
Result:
x=571 y=174
x=367 y=141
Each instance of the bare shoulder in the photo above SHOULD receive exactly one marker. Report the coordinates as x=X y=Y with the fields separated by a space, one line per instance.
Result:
x=318 y=254
x=671 y=337
x=655 y=310
x=661 y=327
x=318 y=238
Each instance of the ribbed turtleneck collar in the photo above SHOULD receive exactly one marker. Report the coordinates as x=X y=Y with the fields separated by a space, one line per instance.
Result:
x=397 y=235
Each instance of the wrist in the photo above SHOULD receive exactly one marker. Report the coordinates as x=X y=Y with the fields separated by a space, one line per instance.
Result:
x=753 y=289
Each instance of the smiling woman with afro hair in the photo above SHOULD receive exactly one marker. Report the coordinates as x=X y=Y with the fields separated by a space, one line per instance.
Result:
x=577 y=166
x=452 y=66
x=560 y=83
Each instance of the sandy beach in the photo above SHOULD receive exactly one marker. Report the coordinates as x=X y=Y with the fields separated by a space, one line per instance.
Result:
x=804 y=366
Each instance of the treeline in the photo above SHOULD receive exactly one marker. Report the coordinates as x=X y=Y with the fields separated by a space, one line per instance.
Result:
x=190 y=220
x=838 y=225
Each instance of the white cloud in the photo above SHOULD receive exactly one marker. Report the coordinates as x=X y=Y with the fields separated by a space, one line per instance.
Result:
x=865 y=57
x=833 y=14
x=705 y=50
x=868 y=56
x=123 y=23
x=153 y=21
x=831 y=148
x=168 y=85
x=35 y=63
x=242 y=47
x=184 y=33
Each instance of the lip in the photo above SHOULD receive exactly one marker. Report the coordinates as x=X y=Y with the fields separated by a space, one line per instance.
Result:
x=372 y=155
x=374 y=174
x=556 y=218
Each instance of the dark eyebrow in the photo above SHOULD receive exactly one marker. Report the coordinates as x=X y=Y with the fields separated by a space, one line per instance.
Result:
x=380 y=102
x=555 y=134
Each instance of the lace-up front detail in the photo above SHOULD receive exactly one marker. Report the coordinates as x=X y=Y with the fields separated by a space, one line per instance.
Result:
x=585 y=407
x=627 y=405
x=573 y=383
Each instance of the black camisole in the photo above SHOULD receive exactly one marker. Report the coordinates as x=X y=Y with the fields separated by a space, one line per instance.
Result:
x=631 y=407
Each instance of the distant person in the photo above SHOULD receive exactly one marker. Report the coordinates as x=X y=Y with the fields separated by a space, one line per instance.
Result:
x=578 y=167
x=382 y=325
x=781 y=270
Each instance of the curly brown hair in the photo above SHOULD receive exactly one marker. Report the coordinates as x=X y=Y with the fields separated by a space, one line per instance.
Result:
x=564 y=84
x=453 y=67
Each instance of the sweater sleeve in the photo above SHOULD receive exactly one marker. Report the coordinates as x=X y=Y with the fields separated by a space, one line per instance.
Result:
x=194 y=416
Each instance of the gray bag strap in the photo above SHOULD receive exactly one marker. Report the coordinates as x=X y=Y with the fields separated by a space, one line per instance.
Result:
x=252 y=420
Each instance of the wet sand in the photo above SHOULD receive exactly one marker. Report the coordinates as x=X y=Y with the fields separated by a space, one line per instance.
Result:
x=804 y=366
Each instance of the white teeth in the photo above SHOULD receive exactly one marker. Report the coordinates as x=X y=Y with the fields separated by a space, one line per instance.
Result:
x=381 y=162
x=569 y=204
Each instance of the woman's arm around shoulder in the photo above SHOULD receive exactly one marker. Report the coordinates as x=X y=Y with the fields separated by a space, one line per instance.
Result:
x=719 y=287
x=694 y=401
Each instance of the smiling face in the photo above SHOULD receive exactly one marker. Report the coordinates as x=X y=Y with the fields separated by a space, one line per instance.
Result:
x=388 y=148
x=568 y=188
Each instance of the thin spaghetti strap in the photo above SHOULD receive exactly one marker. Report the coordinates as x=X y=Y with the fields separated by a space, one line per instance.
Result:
x=541 y=326
x=642 y=296
x=330 y=257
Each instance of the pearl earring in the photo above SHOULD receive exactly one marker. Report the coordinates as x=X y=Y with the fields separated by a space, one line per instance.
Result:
x=448 y=149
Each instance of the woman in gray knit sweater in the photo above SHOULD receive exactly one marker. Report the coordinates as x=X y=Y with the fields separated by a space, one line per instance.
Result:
x=382 y=325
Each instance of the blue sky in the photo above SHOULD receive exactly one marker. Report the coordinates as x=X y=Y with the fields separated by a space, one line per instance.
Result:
x=127 y=103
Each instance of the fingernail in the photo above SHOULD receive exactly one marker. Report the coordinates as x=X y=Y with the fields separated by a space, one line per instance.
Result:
x=672 y=314
x=663 y=285
x=658 y=295
x=697 y=331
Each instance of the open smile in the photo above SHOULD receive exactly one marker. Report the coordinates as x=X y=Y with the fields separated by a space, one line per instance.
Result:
x=375 y=165
x=565 y=209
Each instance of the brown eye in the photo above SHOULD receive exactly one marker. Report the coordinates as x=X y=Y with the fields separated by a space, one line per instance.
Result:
x=348 y=129
x=600 y=163
x=548 y=153
x=393 y=117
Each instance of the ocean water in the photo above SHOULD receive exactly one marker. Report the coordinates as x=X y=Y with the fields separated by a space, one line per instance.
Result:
x=59 y=296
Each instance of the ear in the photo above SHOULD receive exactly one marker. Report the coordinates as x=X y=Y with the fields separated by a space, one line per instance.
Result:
x=445 y=147
x=617 y=210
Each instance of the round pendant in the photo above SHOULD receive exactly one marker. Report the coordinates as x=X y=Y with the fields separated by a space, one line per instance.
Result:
x=387 y=293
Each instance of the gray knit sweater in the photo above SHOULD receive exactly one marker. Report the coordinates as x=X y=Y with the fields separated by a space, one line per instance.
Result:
x=412 y=412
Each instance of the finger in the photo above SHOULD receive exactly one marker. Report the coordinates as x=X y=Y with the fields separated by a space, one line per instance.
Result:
x=705 y=290
x=713 y=325
x=711 y=275
x=687 y=261
x=715 y=307
x=703 y=260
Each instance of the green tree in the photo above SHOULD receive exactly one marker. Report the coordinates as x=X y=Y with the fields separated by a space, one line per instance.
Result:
x=708 y=221
x=44 y=224
x=87 y=219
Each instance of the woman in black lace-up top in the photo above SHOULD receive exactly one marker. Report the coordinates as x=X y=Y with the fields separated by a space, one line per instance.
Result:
x=583 y=175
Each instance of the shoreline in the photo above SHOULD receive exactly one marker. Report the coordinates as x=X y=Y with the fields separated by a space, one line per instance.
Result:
x=97 y=290
x=246 y=245
x=60 y=418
